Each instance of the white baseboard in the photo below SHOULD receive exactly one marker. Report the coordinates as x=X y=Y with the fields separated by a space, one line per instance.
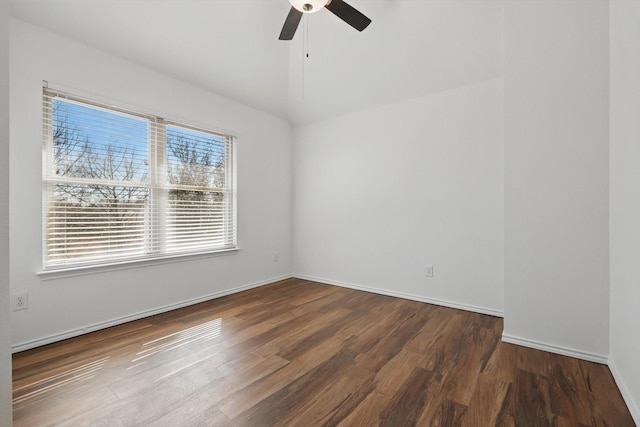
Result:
x=565 y=351
x=140 y=315
x=626 y=394
x=450 y=304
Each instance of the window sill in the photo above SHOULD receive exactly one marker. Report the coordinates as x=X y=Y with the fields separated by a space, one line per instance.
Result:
x=59 y=273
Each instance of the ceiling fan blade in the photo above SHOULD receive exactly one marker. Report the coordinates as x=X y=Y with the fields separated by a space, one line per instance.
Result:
x=349 y=14
x=290 y=24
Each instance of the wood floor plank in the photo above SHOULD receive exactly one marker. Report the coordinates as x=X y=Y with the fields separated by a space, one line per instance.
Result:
x=532 y=404
x=326 y=303
x=502 y=364
x=391 y=377
x=467 y=362
x=311 y=342
x=388 y=321
x=387 y=348
x=51 y=407
x=300 y=332
x=332 y=403
x=256 y=392
x=293 y=396
x=409 y=402
x=206 y=364
x=369 y=412
x=448 y=413
x=484 y=408
x=301 y=353
x=439 y=324
x=569 y=391
x=607 y=405
x=439 y=408
x=193 y=415
x=534 y=361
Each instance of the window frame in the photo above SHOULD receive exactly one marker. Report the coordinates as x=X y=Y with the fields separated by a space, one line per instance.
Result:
x=157 y=185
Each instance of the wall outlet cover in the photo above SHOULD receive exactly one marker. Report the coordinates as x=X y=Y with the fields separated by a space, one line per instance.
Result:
x=20 y=301
x=429 y=271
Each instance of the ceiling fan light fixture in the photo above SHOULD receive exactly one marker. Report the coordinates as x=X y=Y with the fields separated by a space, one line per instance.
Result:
x=309 y=6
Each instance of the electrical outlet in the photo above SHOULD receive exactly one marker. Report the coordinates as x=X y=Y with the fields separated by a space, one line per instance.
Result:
x=429 y=271
x=20 y=301
x=276 y=257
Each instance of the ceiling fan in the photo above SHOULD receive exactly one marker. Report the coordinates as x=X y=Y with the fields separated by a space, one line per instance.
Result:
x=338 y=7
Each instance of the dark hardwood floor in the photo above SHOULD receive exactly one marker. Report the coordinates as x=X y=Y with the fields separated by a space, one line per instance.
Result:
x=299 y=353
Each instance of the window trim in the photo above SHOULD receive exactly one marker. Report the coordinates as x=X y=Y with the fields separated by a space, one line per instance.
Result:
x=82 y=270
x=152 y=256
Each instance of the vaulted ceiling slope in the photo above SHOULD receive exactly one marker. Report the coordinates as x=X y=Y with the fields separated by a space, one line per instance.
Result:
x=231 y=47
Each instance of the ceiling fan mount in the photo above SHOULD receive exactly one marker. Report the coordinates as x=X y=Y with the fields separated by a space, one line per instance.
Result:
x=342 y=10
x=309 y=6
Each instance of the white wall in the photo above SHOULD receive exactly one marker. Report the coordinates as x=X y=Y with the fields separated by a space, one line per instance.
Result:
x=556 y=176
x=625 y=200
x=381 y=193
x=5 y=318
x=62 y=307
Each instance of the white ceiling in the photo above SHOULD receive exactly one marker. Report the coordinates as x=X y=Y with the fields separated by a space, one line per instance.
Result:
x=231 y=47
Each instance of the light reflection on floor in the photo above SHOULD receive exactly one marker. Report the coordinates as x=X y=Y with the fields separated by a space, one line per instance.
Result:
x=200 y=333
x=72 y=376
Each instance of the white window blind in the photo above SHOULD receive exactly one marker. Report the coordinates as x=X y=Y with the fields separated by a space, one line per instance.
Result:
x=120 y=185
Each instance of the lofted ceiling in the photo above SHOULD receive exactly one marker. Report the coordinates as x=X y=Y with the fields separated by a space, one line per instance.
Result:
x=231 y=47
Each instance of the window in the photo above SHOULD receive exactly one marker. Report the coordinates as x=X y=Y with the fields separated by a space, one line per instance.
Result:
x=122 y=186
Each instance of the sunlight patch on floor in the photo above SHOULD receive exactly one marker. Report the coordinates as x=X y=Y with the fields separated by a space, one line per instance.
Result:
x=200 y=333
x=72 y=376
